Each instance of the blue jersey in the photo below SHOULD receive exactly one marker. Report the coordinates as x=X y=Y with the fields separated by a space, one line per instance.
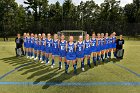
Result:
x=32 y=42
x=71 y=52
x=25 y=41
x=62 y=49
x=102 y=43
x=98 y=45
x=49 y=43
x=63 y=46
x=35 y=43
x=93 y=42
x=55 y=47
x=43 y=49
x=39 y=44
x=114 y=42
x=107 y=43
x=80 y=50
x=28 y=42
x=87 y=50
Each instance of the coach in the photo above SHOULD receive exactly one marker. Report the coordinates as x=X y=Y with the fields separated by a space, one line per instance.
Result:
x=119 y=47
x=19 y=42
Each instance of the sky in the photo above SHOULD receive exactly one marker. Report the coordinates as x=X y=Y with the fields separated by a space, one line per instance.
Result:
x=76 y=2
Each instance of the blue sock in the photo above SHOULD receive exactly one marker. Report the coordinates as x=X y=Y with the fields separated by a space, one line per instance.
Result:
x=43 y=58
x=109 y=54
x=28 y=53
x=31 y=54
x=66 y=68
x=75 y=68
x=88 y=61
x=46 y=60
x=102 y=56
x=94 y=61
x=39 y=56
x=52 y=61
x=115 y=54
x=35 y=55
x=98 y=58
x=82 y=64
x=105 y=55
x=60 y=63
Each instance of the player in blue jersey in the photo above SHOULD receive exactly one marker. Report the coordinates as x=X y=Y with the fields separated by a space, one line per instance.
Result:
x=62 y=51
x=35 y=46
x=28 y=45
x=80 y=51
x=39 y=46
x=87 y=50
x=48 y=47
x=98 y=47
x=93 y=47
x=32 y=46
x=102 y=46
x=71 y=55
x=25 y=43
x=110 y=45
x=43 y=47
x=106 y=45
x=55 y=49
x=114 y=44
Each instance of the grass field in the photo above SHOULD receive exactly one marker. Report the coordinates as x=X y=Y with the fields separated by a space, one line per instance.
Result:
x=114 y=77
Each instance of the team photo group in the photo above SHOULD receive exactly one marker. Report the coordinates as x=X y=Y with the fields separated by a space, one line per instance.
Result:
x=98 y=49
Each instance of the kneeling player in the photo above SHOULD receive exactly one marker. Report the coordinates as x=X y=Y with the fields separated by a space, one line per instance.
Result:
x=87 y=50
x=80 y=51
x=71 y=55
x=62 y=51
x=55 y=49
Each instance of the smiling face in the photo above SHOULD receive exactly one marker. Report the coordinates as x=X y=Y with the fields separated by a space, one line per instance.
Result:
x=98 y=35
x=55 y=36
x=71 y=38
x=35 y=35
x=80 y=38
x=49 y=36
x=102 y=35
x=32 y=35
x=62 y=37
x=24 y=35
x=106 y=35
x=87 y=37
x=93 y=35
x=43 y=35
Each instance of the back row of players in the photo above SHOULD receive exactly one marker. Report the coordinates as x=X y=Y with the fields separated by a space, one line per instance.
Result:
x=39 y=47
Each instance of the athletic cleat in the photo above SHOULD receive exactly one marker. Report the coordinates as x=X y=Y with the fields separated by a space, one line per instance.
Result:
x=83 y=69
x=27 y=56
x=42 y=62
x=32 y=57
x=51 y=66
x=48 y=61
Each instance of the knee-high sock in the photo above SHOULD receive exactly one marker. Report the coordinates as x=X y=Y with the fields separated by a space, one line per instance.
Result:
x=109 y=54
x=52 y=61
x=115 y=54
x=75 y=68
x=35 y=55
x=88 y=61
x=66 y=68
x=98 y=58
x=60 y=63
x=94 y=61
x=105 y=55
x=29 y=53
x=46 y=60
x=82 y=64
x=43 y=58
x=102 y=56
x=39 y=56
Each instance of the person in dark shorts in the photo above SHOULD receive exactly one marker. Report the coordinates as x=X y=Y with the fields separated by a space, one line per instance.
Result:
x=19 y=45
x=119 y=47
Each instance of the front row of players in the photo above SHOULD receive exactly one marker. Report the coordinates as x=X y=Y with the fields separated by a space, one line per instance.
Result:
x=41 y=48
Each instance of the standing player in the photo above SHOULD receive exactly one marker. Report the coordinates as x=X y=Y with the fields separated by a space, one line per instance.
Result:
x=80 y=51
x=32 y=46
x=106 y=45
x=71 y=55
x=110 y=46
x=25 y=43
x=114 y=44
x=39 y=46
x=55 y=49
x=48 y=47
x=94 y=47
x=98 y=47
x=62 y=51
x=43 y=49
x=87 y=50
x=35 y=46
x=102 y=46
x=28 y=45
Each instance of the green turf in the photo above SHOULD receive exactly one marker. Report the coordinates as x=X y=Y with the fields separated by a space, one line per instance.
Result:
x=37 y=72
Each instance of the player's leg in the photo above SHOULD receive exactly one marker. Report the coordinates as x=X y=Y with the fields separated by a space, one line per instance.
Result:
x=60 y=62
x=67 y=66
x=74 y=66
x=102 y=55
x=53 y=61
x=82 y=64
x=94 y=58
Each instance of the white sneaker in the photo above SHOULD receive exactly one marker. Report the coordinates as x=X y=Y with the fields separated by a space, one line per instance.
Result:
x=42 y=61
x=48 y=61
x=83 y=69
x=32 y=57
x=27 y=56
x=51 y=66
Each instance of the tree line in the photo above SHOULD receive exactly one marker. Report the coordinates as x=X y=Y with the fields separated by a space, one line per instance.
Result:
x=39 y=16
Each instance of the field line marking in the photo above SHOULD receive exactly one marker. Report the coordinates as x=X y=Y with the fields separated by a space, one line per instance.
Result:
x=73 y=83
x=127 y=69
x=17 y=68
